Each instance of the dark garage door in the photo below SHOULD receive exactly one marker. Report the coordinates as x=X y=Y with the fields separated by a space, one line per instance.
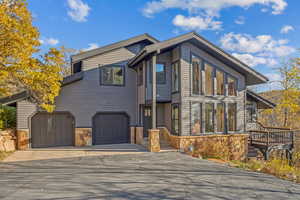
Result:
x=51 y=130
x=110 y=128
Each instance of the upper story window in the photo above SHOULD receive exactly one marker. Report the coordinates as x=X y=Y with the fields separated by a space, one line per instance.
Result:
x=112 y=75
x=160 y=73
x=196 y=75
x=232 y=85
x=220 y=76
x=209 y=81
x=77 y=67
x=175 y=77
x=140 y=76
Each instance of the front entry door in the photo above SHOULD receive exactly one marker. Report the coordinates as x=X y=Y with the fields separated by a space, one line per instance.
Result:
x=147 y=119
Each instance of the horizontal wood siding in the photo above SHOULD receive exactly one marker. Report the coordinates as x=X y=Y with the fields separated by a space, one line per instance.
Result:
x=24 y=110
x=115 y=56
x=187 y=98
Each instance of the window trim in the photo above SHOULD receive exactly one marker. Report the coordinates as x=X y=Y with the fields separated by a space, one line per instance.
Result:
x=172 y=121
x=108 y=66
x=236 y=85
x=179 y=77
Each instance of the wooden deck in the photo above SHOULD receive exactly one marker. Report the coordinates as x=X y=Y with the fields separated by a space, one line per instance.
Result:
x=271 y=138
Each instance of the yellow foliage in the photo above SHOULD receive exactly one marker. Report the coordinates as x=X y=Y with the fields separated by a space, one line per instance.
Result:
x=19 y=69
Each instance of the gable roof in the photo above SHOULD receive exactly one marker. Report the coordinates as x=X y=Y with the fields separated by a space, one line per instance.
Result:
x=252 y=76
x=262 y=102
x=123 y=43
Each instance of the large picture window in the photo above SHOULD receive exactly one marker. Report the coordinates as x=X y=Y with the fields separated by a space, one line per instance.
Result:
x=232 y=113
x=220 y=82
x=209 y=117
x=196 y=74
x=175 y=119
x=140 y=76
x=231 y=86
x=220 y=115
x=175 y=77
x=112 y=75
x=196 y=118
x=209 y=86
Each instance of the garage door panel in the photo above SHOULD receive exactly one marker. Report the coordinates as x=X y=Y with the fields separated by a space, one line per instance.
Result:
x=52 y=129
x=110 y=128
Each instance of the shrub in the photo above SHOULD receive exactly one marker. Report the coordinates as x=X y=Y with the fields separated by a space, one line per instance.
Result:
x=7 y=117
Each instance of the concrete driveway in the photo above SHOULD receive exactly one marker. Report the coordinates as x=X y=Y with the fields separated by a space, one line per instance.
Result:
x=145 y=176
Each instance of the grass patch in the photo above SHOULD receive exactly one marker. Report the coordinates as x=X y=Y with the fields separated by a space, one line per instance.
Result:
x=3 y=155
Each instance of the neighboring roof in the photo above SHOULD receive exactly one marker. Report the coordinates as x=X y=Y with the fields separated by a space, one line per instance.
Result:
x=24 y=95
x=262 y=102
x=252 y=76
x=123 y=43
x=14 y=98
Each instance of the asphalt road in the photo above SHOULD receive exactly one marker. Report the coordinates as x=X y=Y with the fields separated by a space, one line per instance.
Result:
x=146 y=176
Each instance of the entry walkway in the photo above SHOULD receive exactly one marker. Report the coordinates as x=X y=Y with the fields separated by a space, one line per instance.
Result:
x=69 y=152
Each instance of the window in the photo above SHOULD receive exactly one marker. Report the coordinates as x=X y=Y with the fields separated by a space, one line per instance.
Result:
x=196 y=74
x=175 y=119
x=140 y=76
x=220 y=82
x=251 y=112
x=196 y=118
x=209 y=85
x=77 y=67
x=160 y=73
x=175 y=77
x=209 y=117
x=220 y=115
x=232 y=117
x=231 y=86
x=112 y=75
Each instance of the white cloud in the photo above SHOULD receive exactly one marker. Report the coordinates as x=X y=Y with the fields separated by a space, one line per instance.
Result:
x=91 y=46
x=286 y=29
x=49 y=41
x=273 y=76
x=196 y=23
x=262 y=44
x=252 y=60
x=259 y=50
x=78 y=10
x=240 y=20
x=211 y=8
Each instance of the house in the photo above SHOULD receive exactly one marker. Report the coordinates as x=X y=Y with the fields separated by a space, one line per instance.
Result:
x=185 y=84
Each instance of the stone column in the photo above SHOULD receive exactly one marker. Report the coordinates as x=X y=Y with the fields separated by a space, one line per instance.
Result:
x=83 y=137
x=132 y=134
x=153 y=143
x=139 y=135
x=23 y=139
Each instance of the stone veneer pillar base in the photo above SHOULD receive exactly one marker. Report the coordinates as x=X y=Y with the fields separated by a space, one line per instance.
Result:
x=83 y=137
x=132 y=135
x=153 y=140
x=23 y=139
x=139 y=135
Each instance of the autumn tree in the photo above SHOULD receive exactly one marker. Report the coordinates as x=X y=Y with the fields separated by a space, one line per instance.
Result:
x=20 y=67
x=287 y=111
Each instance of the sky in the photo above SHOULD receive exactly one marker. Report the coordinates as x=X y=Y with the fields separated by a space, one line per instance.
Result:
x=261 y=33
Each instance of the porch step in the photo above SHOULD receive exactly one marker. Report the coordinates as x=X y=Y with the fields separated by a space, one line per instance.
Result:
x=253 y=153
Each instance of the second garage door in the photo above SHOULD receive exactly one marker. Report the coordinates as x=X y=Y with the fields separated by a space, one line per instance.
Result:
x=110 y=128
x=52 y=129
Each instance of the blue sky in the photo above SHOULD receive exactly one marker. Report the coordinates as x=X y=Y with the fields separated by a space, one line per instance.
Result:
x=259 y=32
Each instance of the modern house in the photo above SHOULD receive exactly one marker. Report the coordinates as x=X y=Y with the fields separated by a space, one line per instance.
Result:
x=185 y=84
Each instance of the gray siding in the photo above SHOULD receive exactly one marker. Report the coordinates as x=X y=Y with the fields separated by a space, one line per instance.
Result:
x=25 y=109
x=187 y=98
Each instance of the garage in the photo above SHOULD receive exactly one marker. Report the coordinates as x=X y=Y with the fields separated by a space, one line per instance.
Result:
x=110 y=128
x=52 y=129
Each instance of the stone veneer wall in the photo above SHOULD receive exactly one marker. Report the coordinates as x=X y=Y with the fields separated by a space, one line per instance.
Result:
x=23 y=139
x=7 y=140
x=83 y=137
x=231 y=146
